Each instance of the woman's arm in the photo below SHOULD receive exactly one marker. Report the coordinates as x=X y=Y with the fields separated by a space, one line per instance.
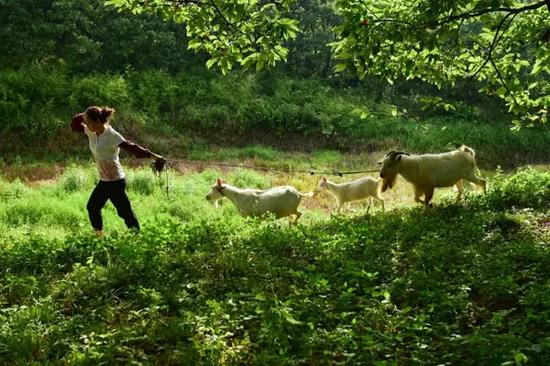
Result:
x=77 y=123
x=138 y=151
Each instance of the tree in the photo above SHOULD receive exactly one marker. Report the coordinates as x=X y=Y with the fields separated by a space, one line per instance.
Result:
x=247 y=32
x=502 y=43
x=85 y=36
x=310 y=53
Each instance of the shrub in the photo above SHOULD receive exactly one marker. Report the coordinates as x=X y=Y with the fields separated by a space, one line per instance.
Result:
x=527 y=188
x=12 y=190
x=100 y=89
x=141 y=181
x=75 y=179
x=245 y=178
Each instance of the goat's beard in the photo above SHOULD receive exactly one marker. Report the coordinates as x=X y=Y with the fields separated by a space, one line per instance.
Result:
x=388 y=182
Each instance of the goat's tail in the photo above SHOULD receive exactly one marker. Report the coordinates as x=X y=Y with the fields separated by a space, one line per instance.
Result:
x=308 y=194
x=470 y=151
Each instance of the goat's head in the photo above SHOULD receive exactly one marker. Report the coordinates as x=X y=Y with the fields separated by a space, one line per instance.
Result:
x=390 y=167
x=322 y=184
x=216 y=191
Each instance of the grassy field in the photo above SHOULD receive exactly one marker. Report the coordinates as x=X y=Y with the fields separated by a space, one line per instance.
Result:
x=459 y=284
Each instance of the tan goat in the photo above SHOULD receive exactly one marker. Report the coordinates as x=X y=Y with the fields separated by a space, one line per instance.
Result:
x=429 y=171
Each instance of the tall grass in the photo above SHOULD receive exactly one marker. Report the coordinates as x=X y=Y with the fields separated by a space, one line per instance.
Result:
x=246 y=109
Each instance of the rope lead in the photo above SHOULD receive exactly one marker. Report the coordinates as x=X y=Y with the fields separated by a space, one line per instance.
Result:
x=160 y=167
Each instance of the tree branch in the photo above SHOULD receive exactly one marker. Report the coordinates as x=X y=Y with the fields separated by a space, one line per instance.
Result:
x=494 y=43
x=380 y=20
x=462 y=16
x=502 y=80
x=476 y=13
x=222 y=15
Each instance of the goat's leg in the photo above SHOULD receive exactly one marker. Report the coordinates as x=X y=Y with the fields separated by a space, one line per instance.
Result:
x=369 y=204
x=478 y=181
x=460 y=187
x=428 y=194
x=297 y=215
x=417 y=194
x=382 y=202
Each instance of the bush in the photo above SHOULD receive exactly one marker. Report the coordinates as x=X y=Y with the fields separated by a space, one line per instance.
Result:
x=75 y=179
x=12 y=190
x=101 y=90
x=38 y=102
x=141 y=181
x=30 y=100
x=527 y=188
x=244 y=178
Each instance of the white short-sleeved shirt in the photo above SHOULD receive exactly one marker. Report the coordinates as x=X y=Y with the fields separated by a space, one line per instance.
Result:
x=105 y=150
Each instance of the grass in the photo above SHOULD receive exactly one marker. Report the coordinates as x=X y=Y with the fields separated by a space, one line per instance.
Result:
x=461 y=283
x=58 y=205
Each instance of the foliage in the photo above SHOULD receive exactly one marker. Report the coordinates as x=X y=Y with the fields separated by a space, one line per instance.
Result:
x=449 y=43
x=310 y=53
x=452 y=42
x=85 y=36
x=250 y=33
x=284 y=112
x=141 y=181
x=463 y=284
x=523 y=189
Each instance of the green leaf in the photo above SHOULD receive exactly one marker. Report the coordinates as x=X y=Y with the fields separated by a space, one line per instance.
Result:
x=537 y=67
x=291 y=320
x=259 y=65
x=520 y=359
x=211 y=62
x=340 y=67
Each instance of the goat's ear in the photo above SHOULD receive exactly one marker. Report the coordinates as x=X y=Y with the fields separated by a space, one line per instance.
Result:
x=324 y=179
x=219 y=181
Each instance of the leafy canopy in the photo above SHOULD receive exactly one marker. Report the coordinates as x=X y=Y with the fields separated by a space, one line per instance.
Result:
x=504 y=44
x=247 y=32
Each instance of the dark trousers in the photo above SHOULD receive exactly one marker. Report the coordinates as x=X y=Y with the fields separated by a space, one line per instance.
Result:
x=116 y=192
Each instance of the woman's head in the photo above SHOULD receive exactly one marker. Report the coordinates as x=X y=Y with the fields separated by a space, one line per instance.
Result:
x=96 y=117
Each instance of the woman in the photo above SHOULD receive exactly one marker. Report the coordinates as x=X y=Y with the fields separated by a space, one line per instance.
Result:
x=105 y=144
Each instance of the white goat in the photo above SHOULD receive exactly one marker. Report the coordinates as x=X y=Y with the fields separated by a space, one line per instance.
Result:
x=355 y=190
x=282 y=201
x=429 y=171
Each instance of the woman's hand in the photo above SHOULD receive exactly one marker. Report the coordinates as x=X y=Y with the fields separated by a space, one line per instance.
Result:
x=158 y=164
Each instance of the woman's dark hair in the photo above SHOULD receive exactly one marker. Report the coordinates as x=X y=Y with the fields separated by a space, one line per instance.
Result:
x=100 y=114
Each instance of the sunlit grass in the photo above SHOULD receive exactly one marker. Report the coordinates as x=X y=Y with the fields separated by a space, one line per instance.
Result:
x=55 y=208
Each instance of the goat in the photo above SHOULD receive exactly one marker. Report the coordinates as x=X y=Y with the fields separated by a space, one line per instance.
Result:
x=355 y=190
x=429 y=171
x=281 y=201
